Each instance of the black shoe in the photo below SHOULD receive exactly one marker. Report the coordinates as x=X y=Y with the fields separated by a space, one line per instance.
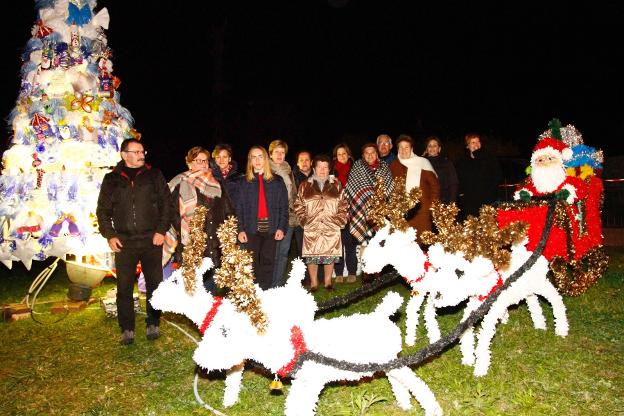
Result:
x=153 y=332
x=127 y=337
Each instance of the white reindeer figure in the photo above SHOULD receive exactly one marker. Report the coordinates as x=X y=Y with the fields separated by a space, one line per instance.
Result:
x=291 y=305
x=400 y=250
x=459 y=279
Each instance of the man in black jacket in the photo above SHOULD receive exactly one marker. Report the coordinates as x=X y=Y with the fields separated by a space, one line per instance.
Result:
x=134 y=211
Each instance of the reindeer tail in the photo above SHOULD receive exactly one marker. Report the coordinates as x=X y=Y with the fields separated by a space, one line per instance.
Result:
x=390 y=304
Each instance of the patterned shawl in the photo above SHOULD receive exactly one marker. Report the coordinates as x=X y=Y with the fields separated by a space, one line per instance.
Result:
x=360 y=187
x=189 y=183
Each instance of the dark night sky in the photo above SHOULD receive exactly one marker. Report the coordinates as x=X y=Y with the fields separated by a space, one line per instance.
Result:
x=317 y=72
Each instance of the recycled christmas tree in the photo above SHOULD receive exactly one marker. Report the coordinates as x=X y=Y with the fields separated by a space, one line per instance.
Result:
x=67 y=127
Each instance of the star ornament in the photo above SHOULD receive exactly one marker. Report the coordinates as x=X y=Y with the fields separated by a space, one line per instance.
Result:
x=6 y=255
x=61 y=246
x=25 y=251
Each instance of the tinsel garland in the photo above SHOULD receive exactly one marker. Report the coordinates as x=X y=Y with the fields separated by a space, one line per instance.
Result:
x=573 y=278
x=477 y=236
x=438 y=346
x=236 y=273
x=193 y=253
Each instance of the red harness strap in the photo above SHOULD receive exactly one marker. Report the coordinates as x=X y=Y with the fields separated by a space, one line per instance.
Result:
x=211 y=314
x=499 y=283
x=299 y=345
x=426 y=265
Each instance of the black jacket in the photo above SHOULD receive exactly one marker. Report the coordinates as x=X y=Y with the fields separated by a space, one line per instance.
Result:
x=479 y=178
x=133 y=210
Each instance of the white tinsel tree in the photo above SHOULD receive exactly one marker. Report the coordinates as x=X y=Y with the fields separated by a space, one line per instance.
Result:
x=67 y=127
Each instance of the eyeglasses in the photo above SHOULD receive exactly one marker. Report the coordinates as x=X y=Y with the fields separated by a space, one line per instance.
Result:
x=137 y=152
x=200 y=161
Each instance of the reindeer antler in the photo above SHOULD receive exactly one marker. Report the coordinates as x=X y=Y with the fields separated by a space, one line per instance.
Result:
x=477 y=236
x=193 y=253
x=399 y=203
x=236 y=273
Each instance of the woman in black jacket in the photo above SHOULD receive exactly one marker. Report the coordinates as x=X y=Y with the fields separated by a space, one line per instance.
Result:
x=195 y=187
x=447 y=176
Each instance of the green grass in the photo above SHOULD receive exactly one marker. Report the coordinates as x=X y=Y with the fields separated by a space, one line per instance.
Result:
x=76 y=367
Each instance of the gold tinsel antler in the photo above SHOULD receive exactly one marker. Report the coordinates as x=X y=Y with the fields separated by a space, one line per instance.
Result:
x=236 y=273
x=400 y=203
x=377 y=205
x=394 y=209
x=477 y=236
x=193 y=253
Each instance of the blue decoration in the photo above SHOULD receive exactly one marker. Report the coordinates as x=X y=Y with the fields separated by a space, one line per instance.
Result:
x=13 y=245
x=40 y=148
x=45 y=240
x=74 y=132
x=72 y=192
x=27 y=67
x=61 y=47
x=32 y=45
x=79 y=16
x=44 y=4
x=52 y=190
x=583 y=155
x=101 y=141
x=124 y=112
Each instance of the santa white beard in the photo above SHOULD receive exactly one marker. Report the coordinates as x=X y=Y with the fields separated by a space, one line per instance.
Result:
x=548 y=178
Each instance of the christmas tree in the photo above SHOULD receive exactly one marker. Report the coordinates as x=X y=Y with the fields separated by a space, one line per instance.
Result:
x=67 y=126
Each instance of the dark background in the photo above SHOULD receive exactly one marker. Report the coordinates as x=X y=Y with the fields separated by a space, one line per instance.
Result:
x=315 y=73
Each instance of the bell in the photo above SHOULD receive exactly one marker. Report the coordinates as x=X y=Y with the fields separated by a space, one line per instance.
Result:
x=276 y=384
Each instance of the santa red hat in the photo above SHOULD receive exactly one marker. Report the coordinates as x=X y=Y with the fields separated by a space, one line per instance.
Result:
x=549 y=146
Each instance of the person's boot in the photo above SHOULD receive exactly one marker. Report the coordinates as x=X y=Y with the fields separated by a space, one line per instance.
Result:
x=152 y=332
x=127 y=337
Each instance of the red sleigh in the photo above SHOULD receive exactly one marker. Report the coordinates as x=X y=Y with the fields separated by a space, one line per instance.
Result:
x=570 y=239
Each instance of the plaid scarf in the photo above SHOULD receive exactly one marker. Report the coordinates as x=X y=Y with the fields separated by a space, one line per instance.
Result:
x=189 y=183
x=360 y=187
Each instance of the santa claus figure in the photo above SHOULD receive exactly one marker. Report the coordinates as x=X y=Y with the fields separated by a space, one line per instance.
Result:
x=548 y=174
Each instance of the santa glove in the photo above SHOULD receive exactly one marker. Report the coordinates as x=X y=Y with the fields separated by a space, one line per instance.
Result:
x=525 y=196
x=563 y=195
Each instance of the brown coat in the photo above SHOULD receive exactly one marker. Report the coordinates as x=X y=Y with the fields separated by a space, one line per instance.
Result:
x=322 y=214
x=430 y=187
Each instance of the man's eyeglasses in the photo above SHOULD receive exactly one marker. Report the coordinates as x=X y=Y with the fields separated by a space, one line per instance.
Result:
x=200 y=161
x=137 y=152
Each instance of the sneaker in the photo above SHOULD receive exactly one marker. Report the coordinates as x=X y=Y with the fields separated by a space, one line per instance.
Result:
x=127 y=337
x=153 y=332
x=351 y=278
x=339 y=279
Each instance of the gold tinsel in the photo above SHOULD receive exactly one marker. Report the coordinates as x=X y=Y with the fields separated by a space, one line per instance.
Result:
x=573 y=278
x=395 y=209
x=193 y=253
x=477 y=236
x=236 y=273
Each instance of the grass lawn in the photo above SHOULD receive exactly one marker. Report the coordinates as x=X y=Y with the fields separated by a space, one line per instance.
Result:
x=76 y=366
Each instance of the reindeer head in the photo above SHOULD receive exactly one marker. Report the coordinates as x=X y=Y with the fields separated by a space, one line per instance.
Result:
x=398 y=249
x=395 y=242
x=172 y=295
x=454 y=278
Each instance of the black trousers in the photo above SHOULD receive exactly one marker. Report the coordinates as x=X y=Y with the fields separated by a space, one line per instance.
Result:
x=349 y=245
x=125 y=262
x=263 y=247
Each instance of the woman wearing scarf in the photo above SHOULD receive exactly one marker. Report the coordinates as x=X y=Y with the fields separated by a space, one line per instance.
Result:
x=417 y=172
x=277 y=152
x=262 y=211
x=322 y=211
x=343 y=159
x=195 y=187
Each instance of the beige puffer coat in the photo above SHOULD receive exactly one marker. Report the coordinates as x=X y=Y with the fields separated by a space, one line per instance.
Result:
x=322 y=214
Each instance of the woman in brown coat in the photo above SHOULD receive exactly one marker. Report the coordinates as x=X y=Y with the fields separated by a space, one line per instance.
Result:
x=417 y=172
x=322 y=211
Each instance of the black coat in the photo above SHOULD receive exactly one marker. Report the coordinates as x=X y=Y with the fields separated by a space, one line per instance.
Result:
x=447 y=176
x=247 y=204
x=133 y=210
x=479 y=178
x=218 y=211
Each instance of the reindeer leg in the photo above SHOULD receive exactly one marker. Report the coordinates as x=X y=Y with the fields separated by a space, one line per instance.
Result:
x=411 y=318
x=466 y=342
x=405 y=379
x=305 y=390
x=539 y=322
x=233 y=380
x=431 y=323
x=559 y=310
x=488 y=329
